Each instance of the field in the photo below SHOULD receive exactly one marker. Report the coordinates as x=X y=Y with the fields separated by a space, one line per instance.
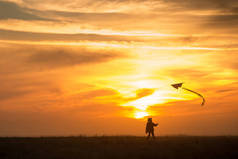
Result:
x=119 y=147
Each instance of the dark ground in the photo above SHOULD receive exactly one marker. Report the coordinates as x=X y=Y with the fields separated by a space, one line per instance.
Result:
x=119 y=147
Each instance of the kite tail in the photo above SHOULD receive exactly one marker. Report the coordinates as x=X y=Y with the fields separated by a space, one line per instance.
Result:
x=203 y=102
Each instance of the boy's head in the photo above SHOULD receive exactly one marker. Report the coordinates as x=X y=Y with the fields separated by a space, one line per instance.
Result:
x=149 y=119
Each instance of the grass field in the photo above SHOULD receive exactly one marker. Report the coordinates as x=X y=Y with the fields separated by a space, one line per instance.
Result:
x=119 y=147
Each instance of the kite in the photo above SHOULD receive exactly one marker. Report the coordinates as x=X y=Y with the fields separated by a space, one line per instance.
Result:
x=179 y=85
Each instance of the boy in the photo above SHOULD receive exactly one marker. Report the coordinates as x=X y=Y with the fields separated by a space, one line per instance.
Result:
x=150 y=128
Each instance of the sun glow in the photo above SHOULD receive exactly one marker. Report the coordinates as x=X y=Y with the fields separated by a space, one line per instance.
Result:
x=141 y=105
x=144 y=102
x=139 y=115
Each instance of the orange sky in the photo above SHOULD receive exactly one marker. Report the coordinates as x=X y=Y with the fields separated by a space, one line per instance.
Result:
x=101 y=67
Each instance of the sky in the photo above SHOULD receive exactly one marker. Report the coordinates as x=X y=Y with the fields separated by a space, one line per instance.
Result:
x=87 y=67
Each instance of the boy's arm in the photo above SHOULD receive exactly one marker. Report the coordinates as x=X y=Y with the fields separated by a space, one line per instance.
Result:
x=155 y=124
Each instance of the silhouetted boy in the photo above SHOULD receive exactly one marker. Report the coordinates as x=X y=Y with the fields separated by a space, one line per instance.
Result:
x=150 y=128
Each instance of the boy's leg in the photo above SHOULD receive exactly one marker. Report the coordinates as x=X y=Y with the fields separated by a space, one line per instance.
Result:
x=148 y=135
x=153 y=135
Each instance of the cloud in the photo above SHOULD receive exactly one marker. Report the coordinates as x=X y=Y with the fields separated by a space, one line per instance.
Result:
x=106 y=100
x=203 y=4
x=9 y=10
x=226 y=90
x=224 y=61
x=88 y=6
x=110 y=4
x=34 y=36
x=88 y=95
x=139 y=93
x=19 y=59
x=31 y=76
x=211 y=15
x=185 y=73
x=223 y=13
x=91 y=16
x=14 y=88
x=223 y=21
x=10 y=94
x=144 y=92
x=57 y=58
